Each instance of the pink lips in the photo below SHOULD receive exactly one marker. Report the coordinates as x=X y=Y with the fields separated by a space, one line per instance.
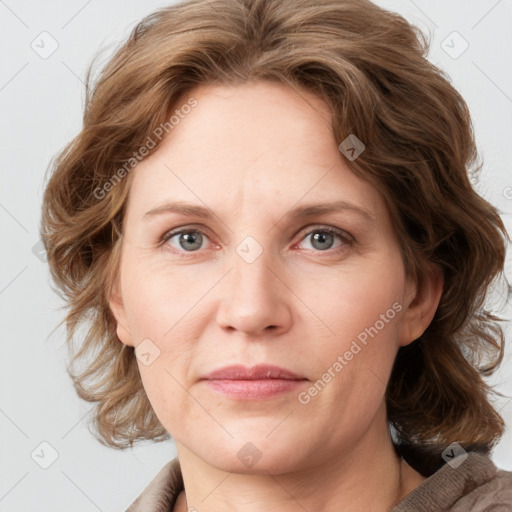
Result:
x=259 y=382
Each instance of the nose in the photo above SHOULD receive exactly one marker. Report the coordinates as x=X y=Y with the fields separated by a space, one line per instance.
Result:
x=255 y=300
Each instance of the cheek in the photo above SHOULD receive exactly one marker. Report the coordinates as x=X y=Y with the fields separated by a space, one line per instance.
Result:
x=363 y=313
x=162 y=311
x=157 y=299
x=165 y=381
x=364 y=303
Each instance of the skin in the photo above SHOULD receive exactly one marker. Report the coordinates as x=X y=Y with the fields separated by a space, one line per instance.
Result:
x=251 y=153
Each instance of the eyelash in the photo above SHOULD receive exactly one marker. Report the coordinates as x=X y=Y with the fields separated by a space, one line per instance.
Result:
x=345 y=237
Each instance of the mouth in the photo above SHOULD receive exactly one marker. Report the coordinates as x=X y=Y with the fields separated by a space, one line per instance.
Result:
x=256 y=383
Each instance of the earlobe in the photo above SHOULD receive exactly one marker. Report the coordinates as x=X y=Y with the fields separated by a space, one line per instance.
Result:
x=123 y=335
x=422 y=307
x=117 y=308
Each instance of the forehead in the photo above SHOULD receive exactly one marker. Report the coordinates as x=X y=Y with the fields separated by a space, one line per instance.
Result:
x=254 y=118
x=250 y=144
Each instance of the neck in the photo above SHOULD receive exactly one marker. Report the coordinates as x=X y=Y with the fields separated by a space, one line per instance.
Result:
x=368 y=476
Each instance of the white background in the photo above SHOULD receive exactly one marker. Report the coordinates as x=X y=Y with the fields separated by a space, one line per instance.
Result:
x=41 y=104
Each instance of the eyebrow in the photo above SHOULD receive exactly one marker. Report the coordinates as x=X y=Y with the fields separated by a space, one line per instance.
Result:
x=298 y=213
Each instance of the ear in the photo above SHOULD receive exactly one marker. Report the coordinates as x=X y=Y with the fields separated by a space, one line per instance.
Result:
x=117 y=307
x=420 y=305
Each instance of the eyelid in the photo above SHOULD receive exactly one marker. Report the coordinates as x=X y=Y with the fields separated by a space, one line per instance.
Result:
x=183 y=229
x=329 y=229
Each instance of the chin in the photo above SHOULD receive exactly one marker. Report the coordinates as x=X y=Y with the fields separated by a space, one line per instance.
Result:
x=254 y=454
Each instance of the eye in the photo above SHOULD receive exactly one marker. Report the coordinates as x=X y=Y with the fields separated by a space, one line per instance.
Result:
x=323 y=238
x=188 y=240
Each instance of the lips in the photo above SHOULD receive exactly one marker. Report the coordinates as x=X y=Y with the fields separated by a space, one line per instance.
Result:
x=258 y=372
x=260 y=382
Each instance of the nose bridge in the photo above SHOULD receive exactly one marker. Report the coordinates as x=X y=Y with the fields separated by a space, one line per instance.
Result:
x=251 y=270
x=253 y=298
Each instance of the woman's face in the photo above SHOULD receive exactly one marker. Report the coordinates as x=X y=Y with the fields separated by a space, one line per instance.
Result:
x=261 y=278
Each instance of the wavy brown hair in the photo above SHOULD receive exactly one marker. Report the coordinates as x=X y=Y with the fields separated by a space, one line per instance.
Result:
x=370 y=66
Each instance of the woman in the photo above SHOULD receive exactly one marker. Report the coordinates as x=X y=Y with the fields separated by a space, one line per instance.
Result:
x=268 y=223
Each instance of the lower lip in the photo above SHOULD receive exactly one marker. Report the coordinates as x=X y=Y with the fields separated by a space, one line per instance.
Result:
x=254 y=389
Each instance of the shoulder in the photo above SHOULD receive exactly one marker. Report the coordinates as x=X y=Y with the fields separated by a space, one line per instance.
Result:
x=161 y=492
x=470 y=482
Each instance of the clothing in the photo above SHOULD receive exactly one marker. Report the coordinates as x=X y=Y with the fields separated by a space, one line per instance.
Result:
x=476 y=485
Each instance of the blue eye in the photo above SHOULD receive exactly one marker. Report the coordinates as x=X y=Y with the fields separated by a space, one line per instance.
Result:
x=323 y=239
x=189 y=240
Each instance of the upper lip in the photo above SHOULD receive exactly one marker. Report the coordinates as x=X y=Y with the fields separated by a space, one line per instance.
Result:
x=258 y=372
